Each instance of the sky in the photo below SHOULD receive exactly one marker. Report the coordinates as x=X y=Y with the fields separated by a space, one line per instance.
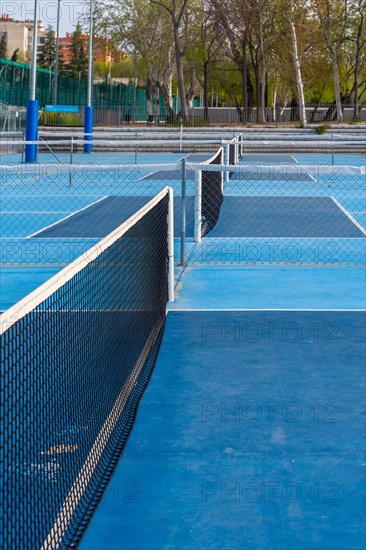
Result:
x=47 y=12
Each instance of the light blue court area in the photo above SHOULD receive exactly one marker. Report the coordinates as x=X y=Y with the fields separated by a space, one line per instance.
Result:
x=213 y=287
x=17 y=282
x=277 y=251
x=109 y=157
x=250 y=435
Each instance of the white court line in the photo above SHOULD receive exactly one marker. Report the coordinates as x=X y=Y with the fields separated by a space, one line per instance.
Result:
x=294 y=159
x=51 y=239
x=31 y=212
x=45 y=195
x=207 y=310
x=67 y=217
x=239 y=239
x=360 y=227
x=148 y=175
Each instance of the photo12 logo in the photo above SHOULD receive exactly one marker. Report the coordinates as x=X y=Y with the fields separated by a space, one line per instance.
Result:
x=272 y=492
x=70 y=11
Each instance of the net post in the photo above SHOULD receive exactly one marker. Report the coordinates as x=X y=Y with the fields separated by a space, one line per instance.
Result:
x=171 y=246
x=184 y=212
x=222 y=173
x=236 y=148
x=198 y=207
x=227 y=161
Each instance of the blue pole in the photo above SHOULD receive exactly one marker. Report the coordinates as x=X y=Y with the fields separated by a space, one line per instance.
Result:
x=88 y=113
x=31 y=124
x=31 y=130
x=88 y=128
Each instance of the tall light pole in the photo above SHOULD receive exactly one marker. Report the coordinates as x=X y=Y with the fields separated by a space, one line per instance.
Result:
x=88 y=113
x=31 y=129
x=55 y=83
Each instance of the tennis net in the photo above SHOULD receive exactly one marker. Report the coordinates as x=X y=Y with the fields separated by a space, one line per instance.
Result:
x=77 y=354
x=212 y=194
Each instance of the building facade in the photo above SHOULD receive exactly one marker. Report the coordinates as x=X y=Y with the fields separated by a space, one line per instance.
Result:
x=102 y=52
x=19 y=36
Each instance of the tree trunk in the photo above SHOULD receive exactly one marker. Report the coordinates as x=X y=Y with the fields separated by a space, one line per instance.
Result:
x=244 y=82
x=178 y=60
x=167 y=96
x=205 y=92
x=262 y=77
x=337 y=89
x=274 y=101
x=356 y=105
x=149 y=93
x=262 y=111
x=299 y=84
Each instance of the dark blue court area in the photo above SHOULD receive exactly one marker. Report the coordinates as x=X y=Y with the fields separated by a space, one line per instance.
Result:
x=239 y=217
x=283 y=217
x=250 y=435
x=101 y=218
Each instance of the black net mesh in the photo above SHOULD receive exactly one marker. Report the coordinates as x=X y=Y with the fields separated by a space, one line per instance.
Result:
x=212 y=196
x=232 y=156
x=73 y=372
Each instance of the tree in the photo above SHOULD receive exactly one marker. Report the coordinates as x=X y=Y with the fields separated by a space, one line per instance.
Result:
x=332 y=16
x=296 y=60
x=47 y=55
x=3 y=47
x=235 y=21
x=206 y=50
x=15 y=55
x=356 y=37
x=79 y=62
x=180 y=21
x=143 y=31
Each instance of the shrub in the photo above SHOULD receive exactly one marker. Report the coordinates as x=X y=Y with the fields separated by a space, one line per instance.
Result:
x=322 y=129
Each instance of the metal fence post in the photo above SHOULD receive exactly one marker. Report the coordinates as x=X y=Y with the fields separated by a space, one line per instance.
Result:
x=71 y=160
x=184 y=213
x=198 y=207
x=23 y=146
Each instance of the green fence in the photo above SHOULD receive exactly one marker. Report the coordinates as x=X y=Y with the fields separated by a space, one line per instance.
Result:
x=14 y=88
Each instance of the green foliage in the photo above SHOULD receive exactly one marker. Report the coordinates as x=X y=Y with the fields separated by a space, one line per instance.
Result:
x=79 y=62
x=47 y=55
x=3 y=47
x=322 y=129
x=60 y=119
x=15 y=56
x=355 y=120
x=123 y=69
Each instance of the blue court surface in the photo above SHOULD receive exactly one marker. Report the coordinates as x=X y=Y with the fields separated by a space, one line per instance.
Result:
x=251 y=433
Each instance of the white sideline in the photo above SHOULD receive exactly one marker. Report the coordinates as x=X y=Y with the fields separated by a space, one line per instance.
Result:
x=358 y=225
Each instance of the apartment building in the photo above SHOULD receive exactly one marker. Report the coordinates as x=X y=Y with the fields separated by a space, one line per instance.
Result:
x=19 y=35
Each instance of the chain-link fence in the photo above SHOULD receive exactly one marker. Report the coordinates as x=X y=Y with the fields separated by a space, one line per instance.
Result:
x=231 y=206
